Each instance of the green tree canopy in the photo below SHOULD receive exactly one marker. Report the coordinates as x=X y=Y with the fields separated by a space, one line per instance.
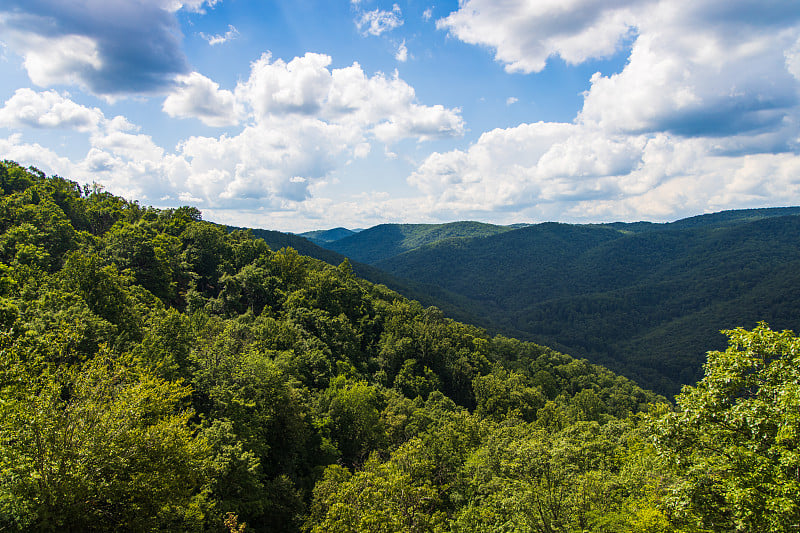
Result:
x=735 y=436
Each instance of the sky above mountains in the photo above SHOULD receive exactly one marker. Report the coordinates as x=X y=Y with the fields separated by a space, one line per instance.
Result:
x=304 y=114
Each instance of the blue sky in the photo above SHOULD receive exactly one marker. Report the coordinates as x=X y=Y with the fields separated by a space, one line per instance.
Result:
x=308 y=114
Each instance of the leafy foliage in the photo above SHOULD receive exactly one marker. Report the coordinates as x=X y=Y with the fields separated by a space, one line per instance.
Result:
x=160 y=373
x=621 y=295
x=323 y=236
x=736 y=436
x=388 y=240
x=96 y=447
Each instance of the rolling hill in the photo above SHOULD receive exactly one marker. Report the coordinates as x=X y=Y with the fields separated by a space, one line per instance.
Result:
x=327 y=235
x=647 y=300
x=455 y=305
x=387 y=240
x=161 y=373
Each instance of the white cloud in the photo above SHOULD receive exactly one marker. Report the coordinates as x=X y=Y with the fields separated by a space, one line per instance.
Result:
x=511 y=100
x=402 y=52
x=63 y=60
x=262 y=165
x=705 y=115
x=216 y=39
x=197 y=6
x=378 y=21
x=385 y=108
x=14 y=149
x=299 y=86
x=110 y=47
x=525 y=34
x=698 y=81
x=549 y=171
x=49 y=109
x=427 y=14
x=696 y=68
x=128 y=146
x=304 y=121
x=196 y=96
x=499 y=169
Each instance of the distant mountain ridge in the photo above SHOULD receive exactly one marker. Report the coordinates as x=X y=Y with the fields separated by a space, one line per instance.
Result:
x=455 y=305
x=327 y=235
x=645 y=299
x=387 y=240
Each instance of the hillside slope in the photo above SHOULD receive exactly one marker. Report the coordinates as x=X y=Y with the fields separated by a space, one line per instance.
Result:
x=647 y=300
x=387 y=240
x=328 y=235
x=161 y=373
x=454 y=305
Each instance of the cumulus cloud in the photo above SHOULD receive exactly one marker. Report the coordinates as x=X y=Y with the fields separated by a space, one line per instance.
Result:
x=15 y=149
x=714 y=77
x=276 y=87
x=261 y=166
x=379 y=106
x=704 y=115
x=378 y=21
x=62 y=60
x=196 y=96
x=27 y=108
x=551 y=171
x=110 y=47
x=505 y=166
x=525 y=34
x=128 y=146
x=301 y=119
x=696 y=68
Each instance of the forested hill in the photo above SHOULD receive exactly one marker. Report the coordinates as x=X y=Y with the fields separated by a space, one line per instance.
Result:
x=424 y=293
x=647 y=300
x=387 y=240
x=303 y=245
x=330 y=235
x=384 y=241
x=731 y=217
x=160 y=373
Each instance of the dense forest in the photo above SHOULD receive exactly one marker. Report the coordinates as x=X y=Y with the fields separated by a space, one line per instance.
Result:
x=161 y=373
x=389 y=240
x=645 y=300
x=330 y=235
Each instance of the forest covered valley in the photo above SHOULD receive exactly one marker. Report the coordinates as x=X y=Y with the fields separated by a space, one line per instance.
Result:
x=160 y=372
x=645 y=300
